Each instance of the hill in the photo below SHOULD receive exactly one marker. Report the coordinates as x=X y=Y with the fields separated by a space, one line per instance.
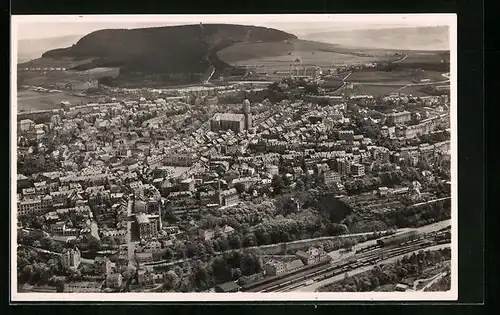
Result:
x=162 y=51
x=402 y=38
x=29 y=49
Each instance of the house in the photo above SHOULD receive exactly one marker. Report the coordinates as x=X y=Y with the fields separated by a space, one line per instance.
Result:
x=312 y=256
x=401 y=287
x=274 y=267
x=227 y=230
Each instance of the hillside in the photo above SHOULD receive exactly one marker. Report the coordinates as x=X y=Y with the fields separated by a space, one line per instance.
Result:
x=280 y=55
x=29 y=49
x=185 y=50
x=403 y=38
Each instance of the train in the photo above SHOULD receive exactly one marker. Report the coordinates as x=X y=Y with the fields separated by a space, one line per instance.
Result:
x=399 y=239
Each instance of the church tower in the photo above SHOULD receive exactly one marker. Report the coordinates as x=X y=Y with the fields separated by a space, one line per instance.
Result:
x=248 y=114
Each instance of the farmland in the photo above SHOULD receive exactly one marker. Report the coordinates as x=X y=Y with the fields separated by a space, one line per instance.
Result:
x=392 y=77
x=279 y=55
x=31 y=100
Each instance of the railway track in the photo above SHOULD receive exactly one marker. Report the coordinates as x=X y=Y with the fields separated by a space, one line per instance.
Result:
x=370 y=257
x=363 y=257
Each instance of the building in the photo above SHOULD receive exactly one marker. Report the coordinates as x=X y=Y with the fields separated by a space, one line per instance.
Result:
x=312 y=256
x=344 y=166
x=227 y=287
x=398 y=118
x=179 y=159
x=226 y=121
x=274 y=267
x=103 y=265
x=247 y=114
x=330 y=177
x=37 y=206
x=26 y=125
x=71 y=258
x=346 y=135
x=358 y=169
x=294 y=265
x=148 y=227
x=273 y=169
x=228 y=197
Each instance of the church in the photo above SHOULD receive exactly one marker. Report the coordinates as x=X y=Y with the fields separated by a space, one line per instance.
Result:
x=234 y=122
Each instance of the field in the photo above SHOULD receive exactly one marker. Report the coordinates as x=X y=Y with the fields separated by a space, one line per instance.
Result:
x=30 y=100
x=375 y=90
x=392 y=77
x=279 y=55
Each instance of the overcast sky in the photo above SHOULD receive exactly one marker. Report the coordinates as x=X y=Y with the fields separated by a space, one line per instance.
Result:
x=36 y=27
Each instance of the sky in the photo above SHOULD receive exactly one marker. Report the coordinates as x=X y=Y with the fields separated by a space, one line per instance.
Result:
x=38 y=27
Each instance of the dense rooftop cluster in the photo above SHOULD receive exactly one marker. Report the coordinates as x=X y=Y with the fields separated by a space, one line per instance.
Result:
x=151 y=192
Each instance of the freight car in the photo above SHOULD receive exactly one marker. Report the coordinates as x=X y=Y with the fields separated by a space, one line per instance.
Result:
x=398 y=239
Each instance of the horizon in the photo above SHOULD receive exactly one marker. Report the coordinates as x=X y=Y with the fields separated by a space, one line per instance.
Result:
x=29 y=28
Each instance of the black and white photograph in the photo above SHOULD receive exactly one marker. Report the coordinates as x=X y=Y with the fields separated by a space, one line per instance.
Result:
x=234 y=157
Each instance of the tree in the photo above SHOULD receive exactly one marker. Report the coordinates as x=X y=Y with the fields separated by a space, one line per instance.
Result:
x=277 y=184
x=235 y=241
x=46 y=243
x=240 y=188
x=172 y=280
x=236 y=273
x=169 y=253
x=60 y=285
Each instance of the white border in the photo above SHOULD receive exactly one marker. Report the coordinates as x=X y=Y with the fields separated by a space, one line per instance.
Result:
x=440 y=19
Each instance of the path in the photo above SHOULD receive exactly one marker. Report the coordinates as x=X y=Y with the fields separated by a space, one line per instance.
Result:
x=436 y=279
x=402 y=59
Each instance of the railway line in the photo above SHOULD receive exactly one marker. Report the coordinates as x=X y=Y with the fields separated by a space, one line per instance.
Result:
x=363 y=257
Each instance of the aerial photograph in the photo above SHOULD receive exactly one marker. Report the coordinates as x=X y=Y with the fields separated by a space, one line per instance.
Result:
x=218 y=154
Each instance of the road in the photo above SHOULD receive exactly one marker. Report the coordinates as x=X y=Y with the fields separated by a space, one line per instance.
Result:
x=315 y=286
x=401 y=85
x=211 y=74
x=430 y=201
x=436 y=279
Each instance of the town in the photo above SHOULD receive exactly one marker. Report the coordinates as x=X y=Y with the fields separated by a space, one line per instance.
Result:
x=239 y=187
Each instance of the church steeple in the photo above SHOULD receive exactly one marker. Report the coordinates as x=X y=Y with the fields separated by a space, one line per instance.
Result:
x=248 y=114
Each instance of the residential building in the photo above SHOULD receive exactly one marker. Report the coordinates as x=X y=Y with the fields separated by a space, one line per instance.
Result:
x=71 y=258
x=148 y=227
x=358 y=169
x=330 y=177
x=274 y=267
x=312 y=256
x=344 y=166
x=397 y=118
x=228 y=197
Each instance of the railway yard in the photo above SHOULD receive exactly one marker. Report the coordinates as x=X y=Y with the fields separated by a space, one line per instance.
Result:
x=364 y=257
